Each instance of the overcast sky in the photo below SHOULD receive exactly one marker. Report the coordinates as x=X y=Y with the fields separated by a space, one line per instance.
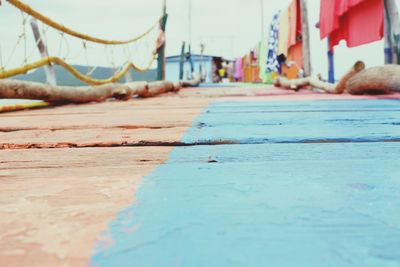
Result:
x=227 y=27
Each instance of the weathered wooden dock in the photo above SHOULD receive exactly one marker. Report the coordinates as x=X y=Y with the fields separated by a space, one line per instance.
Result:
x=207 y=177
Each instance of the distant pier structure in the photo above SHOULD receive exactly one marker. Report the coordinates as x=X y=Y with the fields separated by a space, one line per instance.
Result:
x=207 y=65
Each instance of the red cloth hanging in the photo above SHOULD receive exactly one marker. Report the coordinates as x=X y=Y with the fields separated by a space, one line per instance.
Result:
x=356 y=21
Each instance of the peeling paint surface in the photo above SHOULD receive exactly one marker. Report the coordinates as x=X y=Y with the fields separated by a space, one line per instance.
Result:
x=313 y=183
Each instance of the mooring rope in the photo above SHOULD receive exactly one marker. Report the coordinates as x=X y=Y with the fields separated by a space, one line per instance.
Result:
x=61 y=61
x=84 y=78
x=46 y=20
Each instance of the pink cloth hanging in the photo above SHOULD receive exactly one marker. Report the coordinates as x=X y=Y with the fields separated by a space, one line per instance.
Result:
x=238 y=69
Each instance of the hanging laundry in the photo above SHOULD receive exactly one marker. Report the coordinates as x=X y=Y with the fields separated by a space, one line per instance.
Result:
x=295 y=46
x=295 y=23
x=357 y=22
x=238 y=70
x=262 y=61
x=290 y=37
x=254 y=55
x=284 y=31
x=273 y=39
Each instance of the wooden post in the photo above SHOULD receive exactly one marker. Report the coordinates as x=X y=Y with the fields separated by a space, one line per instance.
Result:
x=262 y=20
x=202 y=46
x=182 y=61
x=331 y=64
x=392 y=33
x=189 y=23
x=191 y=61
x=306 y=39
x=48 y=69
x=161 y=52
x=388 y=52
x=128 y=77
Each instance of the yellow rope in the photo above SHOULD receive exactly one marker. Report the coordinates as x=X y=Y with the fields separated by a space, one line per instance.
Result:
x=56 y=60
x=16 y=107
x=84 y=78
x=46 y=20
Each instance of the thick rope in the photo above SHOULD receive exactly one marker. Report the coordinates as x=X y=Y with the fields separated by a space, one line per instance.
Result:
x=84 y=78
x=46 y=20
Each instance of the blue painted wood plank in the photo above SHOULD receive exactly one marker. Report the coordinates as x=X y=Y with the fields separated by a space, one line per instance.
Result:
x=320 y=207
x=312 y=121
x=333 y=204
x=328 y=105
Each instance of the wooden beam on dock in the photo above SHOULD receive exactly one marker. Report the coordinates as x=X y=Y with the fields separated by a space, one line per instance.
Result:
x=48 y=69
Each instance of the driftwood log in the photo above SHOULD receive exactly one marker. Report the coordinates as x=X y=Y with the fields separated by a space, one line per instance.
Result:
x=191 y=83
x=14 y=89
x=375 y=80
x=158 y=88
x=69 y=94
x=358 y=80
x=315 y=82
x=295 y=84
